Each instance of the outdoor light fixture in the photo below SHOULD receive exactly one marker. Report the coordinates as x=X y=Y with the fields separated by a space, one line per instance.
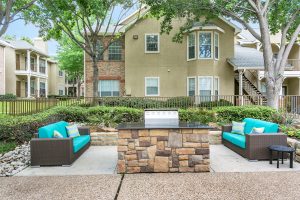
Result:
x=135 y=37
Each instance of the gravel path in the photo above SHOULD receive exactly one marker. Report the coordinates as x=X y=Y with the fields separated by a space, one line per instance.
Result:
x=60 y=187
x=262 y=186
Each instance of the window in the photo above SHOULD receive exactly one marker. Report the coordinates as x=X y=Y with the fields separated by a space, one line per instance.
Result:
x=205 y=87
x=32 y=63
x=42 y=89
x=109 y=88
x=115 y=51
x=60 y=92
x=216 y=44
x=216 y=86
x=42 y=66
x=191 y=46
x=60 y=73
x=152 y=86
x=152 y=43
x=191 y=86
x=205 y=47
x=99 y=47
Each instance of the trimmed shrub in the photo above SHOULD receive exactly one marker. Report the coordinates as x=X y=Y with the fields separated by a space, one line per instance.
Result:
x=238 y=113
x=210 y=104
x=197 y=115
x=8 y=97
x=182 y=102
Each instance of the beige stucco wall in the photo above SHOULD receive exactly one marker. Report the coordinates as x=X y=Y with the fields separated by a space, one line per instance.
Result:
x=2 y=71
x=171 y=63
x=55 y=82
x=10 y=67
x=292 y=85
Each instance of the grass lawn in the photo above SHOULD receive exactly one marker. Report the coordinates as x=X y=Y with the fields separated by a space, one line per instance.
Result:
x=7 y=146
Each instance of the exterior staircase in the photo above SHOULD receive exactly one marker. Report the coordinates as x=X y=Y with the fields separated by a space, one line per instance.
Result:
x=251 y=91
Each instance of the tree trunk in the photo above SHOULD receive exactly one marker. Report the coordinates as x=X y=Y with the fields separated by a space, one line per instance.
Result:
x=95 y=77
x=273 y=92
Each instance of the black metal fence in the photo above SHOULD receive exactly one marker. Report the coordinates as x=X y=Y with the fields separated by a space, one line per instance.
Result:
x=290 y=104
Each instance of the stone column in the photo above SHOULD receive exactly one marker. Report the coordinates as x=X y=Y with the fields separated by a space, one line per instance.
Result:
x=38 y=87
x=28 y=61
x=46 y=88
x=241 y=72
x=38 y=63
x=28 y=86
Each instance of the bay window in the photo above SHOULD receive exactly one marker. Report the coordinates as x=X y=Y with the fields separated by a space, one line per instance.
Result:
x=191 y=46
x=216 y=46
x=191 y=86
x=205 y=45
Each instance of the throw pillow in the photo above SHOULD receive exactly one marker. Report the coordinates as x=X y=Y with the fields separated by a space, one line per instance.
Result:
x=256 y=130
x=72 y=131
x=238 y=127
x=57 y=134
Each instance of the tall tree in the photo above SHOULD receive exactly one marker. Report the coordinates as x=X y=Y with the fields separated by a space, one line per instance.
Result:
x=92 y=20
x=272 y=16
x=13 y=10
x=71 y=60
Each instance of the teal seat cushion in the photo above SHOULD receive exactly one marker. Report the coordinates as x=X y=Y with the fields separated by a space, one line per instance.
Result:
x=80 y=141
x=238 y=140
x=48 y=131
x=251 y=123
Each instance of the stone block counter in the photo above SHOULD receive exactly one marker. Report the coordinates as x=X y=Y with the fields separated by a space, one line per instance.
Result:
x=181 y=148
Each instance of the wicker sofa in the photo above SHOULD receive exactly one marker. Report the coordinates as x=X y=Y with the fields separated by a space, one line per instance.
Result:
x=253 y=146
x=49 y=151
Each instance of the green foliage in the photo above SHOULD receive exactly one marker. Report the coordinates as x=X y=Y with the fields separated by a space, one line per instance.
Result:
x=8 y=97
x=210 y=104
x=197 y=115
x=238 y=113
x=290 y=131
x=7 y=146
x=26 y=39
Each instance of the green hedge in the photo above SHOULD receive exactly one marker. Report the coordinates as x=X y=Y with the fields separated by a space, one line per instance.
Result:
x=21 y=128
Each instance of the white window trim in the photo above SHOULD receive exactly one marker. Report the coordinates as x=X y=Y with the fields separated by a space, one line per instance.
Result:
x=187 y=84
x=211 y=87
x=218 y=86
x=158 y=43
x=218 y=46
x=158 y=89
x=212 y=45
x=187 y=52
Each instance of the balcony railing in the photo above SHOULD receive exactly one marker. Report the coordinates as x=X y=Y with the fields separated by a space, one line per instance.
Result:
x=293 y=64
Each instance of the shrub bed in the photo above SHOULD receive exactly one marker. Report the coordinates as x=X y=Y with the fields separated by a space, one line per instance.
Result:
x=21 y=128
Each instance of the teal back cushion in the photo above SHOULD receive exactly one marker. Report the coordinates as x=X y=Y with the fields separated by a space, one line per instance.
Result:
x=251 y=123
x=47 y=131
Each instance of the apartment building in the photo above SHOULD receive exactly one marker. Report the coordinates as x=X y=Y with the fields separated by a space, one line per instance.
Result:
x=214 y=58
x=27 y=70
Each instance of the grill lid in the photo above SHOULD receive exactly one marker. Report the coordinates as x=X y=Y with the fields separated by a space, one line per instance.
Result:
x=161 y=117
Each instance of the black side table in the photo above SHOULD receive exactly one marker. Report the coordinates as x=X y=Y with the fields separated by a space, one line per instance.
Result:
x=281 y=149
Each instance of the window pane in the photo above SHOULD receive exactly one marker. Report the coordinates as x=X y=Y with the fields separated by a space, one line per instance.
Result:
x=109 y=88
x=205 y=87
x=192 y=87
x=152 y=43
x=205 y=45
x=115 y=51
x=152 y=86
x=216 y=86
x=191 y=49
x=216 y=46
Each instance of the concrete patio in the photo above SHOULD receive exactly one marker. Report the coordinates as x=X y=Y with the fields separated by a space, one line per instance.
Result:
x=96 y=160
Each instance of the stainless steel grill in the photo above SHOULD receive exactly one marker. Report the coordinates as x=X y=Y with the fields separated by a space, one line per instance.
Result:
x=161 y=117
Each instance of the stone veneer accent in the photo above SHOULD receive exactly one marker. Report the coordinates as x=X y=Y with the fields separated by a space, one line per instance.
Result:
x=163 y=150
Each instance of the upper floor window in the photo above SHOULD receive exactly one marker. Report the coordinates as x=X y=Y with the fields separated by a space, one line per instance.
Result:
x=205 y=45
x=42 y=66
x=152 y=43
x=152 y=86
x=191 y=46
x=115 y=50
x=99 y=53
x=109 y=88
x=60 y=73
x=216 y=45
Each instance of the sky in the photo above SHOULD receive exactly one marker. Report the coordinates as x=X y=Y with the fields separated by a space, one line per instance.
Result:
x=19 y=29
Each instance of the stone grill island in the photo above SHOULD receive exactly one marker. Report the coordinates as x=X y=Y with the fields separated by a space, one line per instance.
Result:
x=163 y=144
